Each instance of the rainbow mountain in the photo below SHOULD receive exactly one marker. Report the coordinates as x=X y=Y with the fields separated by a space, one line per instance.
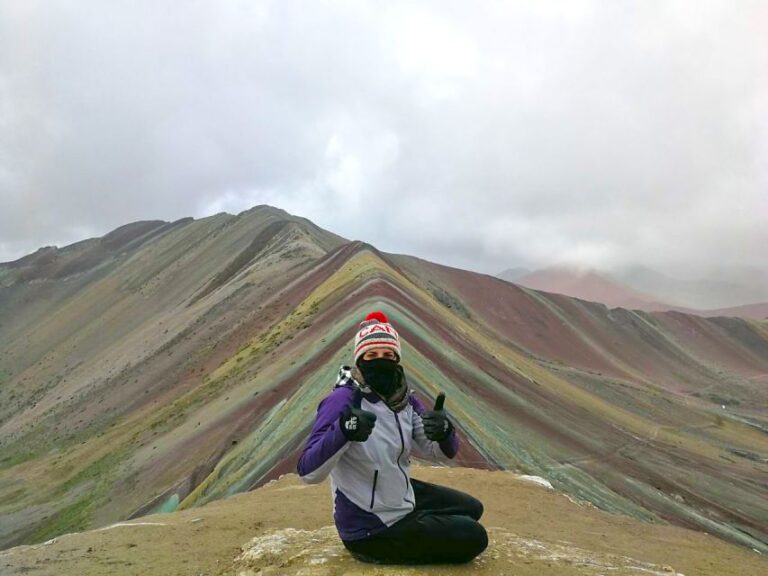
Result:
x=169 y=364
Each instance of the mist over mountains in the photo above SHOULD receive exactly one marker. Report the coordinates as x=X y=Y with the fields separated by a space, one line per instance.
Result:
x=745 y=294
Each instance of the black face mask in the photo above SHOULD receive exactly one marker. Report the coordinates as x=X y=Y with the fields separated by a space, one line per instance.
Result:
x=381 y=374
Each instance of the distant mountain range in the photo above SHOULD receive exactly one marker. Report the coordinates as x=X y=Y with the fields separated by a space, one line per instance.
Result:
x=725 y=287
x=643 y=289
x=512 y=274
x=170 y=364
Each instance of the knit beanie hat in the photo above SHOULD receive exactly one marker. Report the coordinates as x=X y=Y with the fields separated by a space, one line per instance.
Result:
x=376 y=331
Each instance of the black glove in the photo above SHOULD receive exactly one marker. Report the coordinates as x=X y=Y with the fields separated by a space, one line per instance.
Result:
x=436 y=424
x=356 y=424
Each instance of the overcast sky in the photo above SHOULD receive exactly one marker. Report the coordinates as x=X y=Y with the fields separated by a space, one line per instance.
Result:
x=480 y=135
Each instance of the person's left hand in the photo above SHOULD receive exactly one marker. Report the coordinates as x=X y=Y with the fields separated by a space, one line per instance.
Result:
x=436 y=424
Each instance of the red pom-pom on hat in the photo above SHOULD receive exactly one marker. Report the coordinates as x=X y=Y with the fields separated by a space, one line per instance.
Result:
x=377 y=315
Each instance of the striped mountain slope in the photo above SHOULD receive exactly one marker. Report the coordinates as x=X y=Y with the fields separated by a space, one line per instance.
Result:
x=188 y=366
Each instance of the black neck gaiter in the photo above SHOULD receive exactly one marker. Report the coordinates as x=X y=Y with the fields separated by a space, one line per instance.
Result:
x=381 y=374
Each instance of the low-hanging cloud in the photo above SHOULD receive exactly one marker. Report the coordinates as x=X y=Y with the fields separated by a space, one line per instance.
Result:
x=482 y=136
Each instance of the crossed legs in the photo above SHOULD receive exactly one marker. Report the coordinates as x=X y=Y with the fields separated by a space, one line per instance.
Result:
x=443 y=528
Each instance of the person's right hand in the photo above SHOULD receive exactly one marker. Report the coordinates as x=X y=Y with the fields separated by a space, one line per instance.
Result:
x=356 y=424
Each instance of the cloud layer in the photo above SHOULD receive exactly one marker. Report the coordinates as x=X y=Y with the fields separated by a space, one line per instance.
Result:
x=482 y=136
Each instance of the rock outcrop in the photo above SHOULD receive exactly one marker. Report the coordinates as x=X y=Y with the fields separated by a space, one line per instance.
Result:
x=285 y=528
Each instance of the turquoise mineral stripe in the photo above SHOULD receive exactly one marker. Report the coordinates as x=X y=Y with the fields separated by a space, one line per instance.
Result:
x=509 y=445
x=169 y=505
x=267 y=444
x=707 y=523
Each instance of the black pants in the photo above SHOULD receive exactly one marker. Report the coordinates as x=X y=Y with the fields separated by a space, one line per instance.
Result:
x=443 y=528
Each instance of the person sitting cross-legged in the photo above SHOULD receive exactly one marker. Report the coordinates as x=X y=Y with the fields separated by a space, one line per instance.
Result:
x=362 y=437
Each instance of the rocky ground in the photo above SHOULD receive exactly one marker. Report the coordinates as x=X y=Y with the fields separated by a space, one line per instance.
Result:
x=286 y=528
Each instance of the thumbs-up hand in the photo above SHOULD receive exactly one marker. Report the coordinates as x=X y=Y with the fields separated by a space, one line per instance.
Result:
x=436 y=424
x=356 y=424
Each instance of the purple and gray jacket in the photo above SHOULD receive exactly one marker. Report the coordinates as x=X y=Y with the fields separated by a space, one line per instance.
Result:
x=370 y=481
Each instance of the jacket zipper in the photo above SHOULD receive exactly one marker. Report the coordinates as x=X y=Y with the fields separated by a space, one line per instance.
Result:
x=402 y=444
x=373 y=490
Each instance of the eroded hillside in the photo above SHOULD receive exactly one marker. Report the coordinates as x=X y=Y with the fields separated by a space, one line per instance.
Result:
x=188 y=367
